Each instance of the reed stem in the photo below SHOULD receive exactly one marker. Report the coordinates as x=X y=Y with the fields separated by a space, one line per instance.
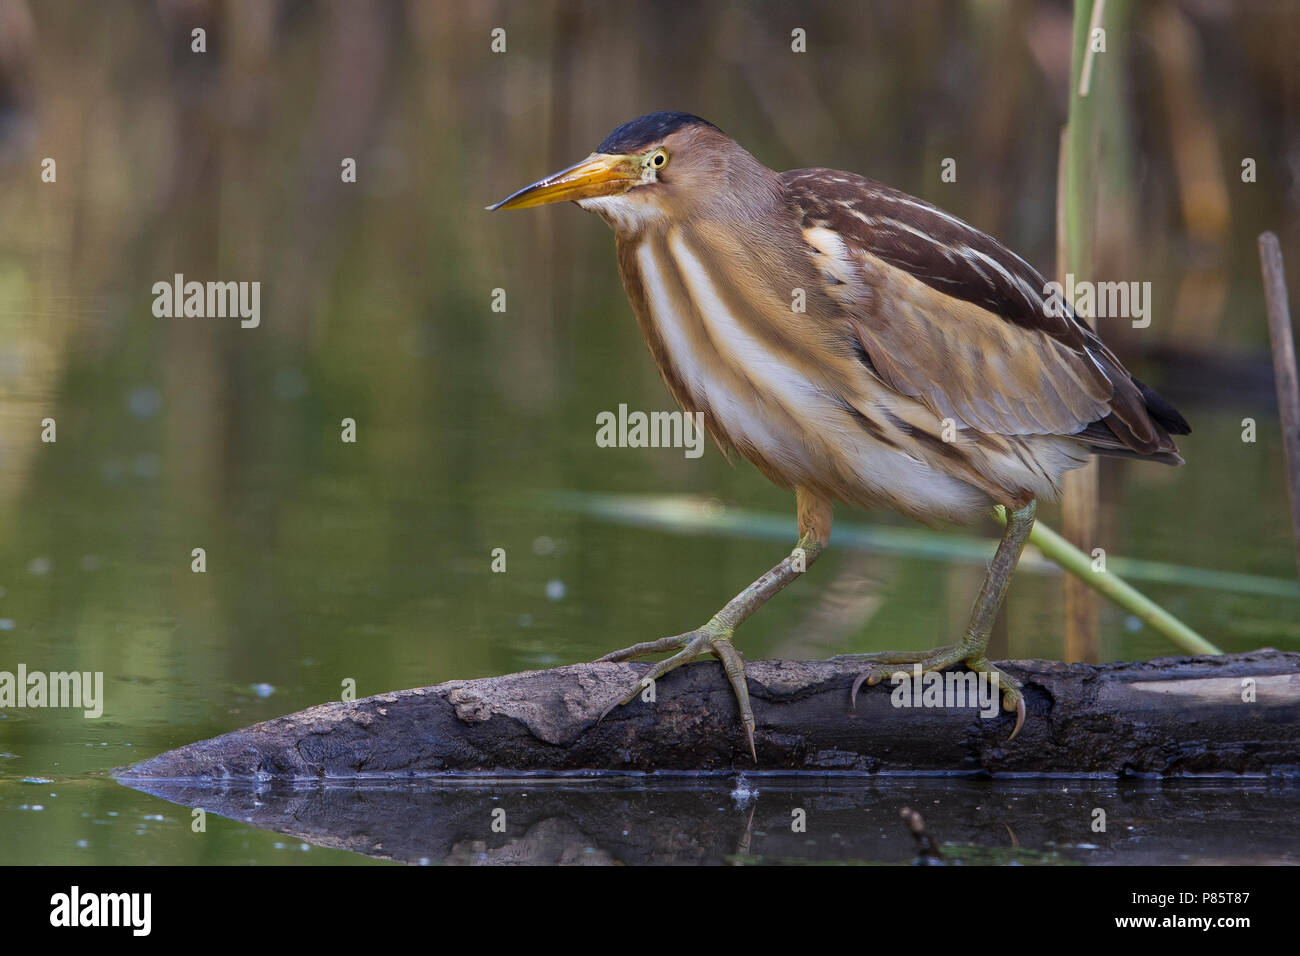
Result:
x=1053 y=546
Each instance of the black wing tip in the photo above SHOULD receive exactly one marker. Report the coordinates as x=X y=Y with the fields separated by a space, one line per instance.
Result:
x=1162 y=412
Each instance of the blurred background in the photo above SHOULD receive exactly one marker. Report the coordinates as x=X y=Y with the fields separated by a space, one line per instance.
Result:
x=372 y=560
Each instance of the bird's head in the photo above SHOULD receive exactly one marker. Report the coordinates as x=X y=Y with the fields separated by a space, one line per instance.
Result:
x=659 y=167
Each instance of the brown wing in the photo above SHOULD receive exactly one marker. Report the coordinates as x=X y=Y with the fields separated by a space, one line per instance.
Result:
x=946 y=314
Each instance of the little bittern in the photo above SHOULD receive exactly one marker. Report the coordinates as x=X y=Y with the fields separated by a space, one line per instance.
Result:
x=856 y=344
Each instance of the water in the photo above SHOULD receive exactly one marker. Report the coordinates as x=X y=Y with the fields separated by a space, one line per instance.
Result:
x=330 y=564
x=329 y=584
x=766 y=819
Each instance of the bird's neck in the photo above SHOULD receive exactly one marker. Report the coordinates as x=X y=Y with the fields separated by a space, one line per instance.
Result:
x=741 y=195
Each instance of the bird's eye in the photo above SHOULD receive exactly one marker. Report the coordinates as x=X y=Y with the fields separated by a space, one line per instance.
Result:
x=659 y=159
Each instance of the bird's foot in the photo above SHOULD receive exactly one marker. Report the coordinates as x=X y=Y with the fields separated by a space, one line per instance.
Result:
x=713 y=638
x=886 y=663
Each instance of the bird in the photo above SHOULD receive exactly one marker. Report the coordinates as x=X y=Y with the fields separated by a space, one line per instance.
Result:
x=859 y=346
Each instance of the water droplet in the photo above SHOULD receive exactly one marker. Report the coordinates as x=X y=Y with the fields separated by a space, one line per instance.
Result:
x=743 y=794
x=147 y=465
x=290 y=384
x=144 y=401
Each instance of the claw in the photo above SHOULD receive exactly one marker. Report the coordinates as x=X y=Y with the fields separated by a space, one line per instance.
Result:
x=857 y=685
x=1020 y=717
x=871 y=677
x=734 y=665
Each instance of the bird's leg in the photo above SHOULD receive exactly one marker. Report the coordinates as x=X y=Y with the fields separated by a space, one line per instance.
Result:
x=972 y=648
x=715 y=637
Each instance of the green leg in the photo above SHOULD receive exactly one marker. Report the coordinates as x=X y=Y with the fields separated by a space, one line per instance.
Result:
x=972 y=647
x=715 y=637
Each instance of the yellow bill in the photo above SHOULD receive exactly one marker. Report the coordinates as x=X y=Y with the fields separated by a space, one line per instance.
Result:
x=597 y=175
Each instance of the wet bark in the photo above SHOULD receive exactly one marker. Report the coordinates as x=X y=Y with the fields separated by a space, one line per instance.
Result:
x=1236 y=713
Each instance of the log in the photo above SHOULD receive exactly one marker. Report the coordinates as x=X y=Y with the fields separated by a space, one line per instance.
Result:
x=1228 y=714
